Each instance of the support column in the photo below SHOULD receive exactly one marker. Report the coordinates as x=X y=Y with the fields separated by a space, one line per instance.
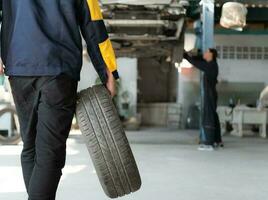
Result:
x=207 y=19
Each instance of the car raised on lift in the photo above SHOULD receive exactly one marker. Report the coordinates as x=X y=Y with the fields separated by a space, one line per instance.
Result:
x=146 y=28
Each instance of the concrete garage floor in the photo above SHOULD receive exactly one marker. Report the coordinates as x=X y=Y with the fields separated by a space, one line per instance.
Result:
x=170 y=165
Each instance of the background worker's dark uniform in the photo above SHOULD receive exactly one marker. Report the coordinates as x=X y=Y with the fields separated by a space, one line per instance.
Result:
x=210 y=121
x=41 y=48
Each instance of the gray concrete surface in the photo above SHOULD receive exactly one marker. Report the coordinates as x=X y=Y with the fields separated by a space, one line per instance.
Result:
x=170 y=166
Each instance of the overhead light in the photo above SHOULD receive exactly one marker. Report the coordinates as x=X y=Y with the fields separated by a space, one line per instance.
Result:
x=234 y=16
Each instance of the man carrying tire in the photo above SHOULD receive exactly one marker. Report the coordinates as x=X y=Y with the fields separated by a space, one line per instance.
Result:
x=41 y=50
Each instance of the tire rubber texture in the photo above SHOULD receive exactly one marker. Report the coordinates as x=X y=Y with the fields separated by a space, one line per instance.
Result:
x=15 y=139
x=107 y=142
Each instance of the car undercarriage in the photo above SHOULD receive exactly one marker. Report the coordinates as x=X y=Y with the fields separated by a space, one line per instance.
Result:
x=145 y=29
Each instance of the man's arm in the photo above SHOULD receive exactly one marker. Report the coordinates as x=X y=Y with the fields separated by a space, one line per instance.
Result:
x=99 y=45
x=198 y=63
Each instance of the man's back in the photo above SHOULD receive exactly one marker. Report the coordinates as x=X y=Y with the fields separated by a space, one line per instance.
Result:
x=42 y=37
x=42 y=52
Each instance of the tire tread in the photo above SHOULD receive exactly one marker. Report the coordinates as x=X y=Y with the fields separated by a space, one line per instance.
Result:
x=107 y=143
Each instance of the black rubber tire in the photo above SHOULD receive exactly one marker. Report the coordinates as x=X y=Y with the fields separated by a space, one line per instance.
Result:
x=107 y=143
x=16 y=137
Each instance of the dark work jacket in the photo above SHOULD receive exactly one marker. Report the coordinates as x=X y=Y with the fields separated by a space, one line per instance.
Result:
x=42 y=38
x=210 y=117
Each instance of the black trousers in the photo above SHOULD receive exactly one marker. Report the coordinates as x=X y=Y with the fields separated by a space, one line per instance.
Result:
x=212 y=134
x=218 y=137
x=45 y=107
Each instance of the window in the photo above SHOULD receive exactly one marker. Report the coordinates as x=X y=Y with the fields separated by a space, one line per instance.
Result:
x=265 y=56
x=231 y=52
x=252 y=53
x=239 y=53
x=225 y=52
x=219 y=51
x=243 y=52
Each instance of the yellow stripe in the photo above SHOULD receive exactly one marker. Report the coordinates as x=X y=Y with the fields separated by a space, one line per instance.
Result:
x=108 y=55
x=95 y=10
